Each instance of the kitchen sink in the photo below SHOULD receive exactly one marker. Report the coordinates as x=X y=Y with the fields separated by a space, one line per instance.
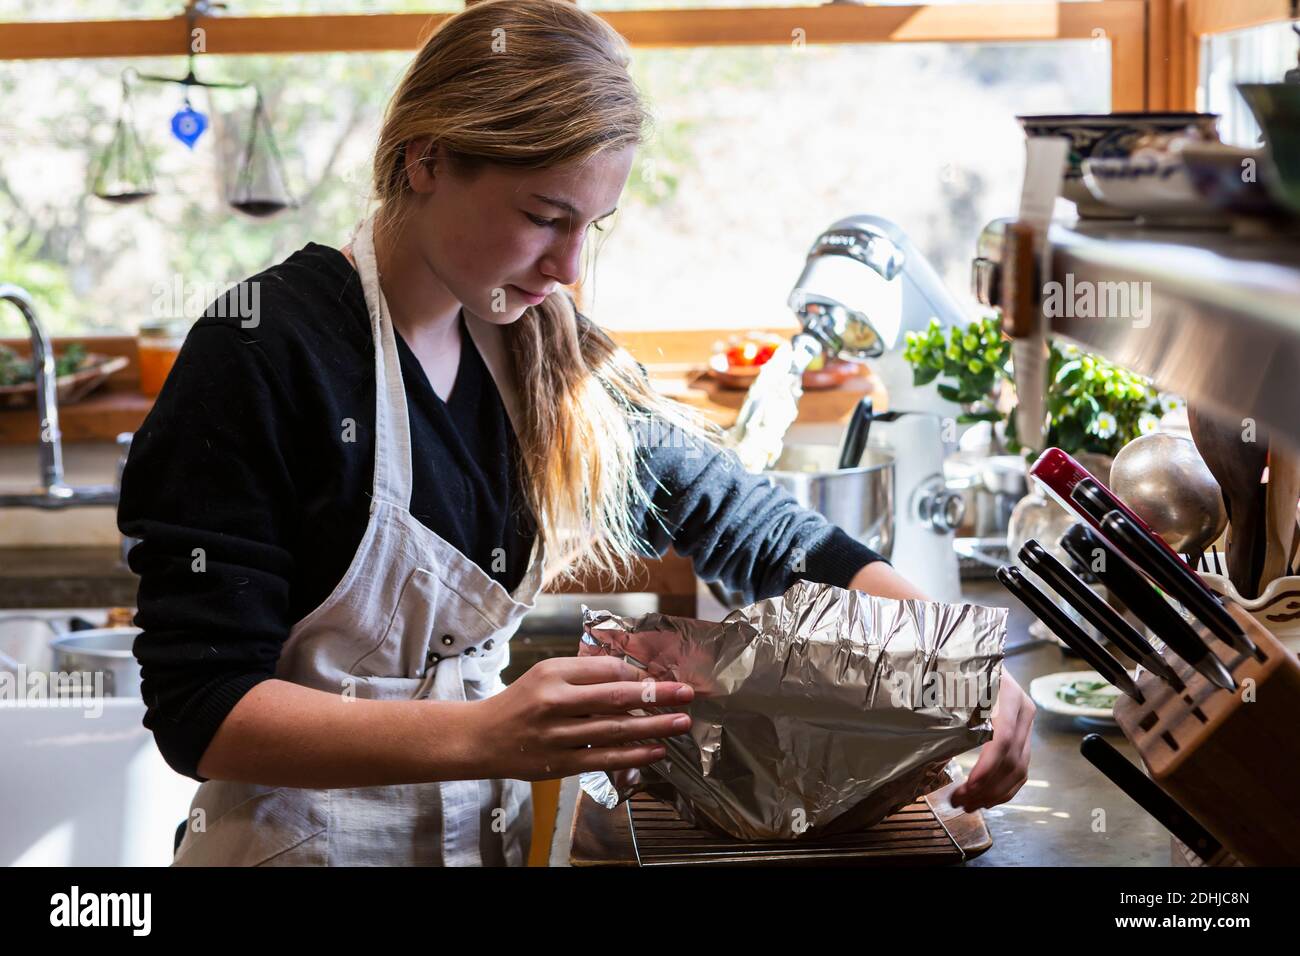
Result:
x=81 y=780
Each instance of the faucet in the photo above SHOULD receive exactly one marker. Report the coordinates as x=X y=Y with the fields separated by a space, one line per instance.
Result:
x=52 y=492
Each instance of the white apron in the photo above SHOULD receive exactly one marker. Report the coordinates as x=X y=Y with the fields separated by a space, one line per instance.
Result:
x=412 y=617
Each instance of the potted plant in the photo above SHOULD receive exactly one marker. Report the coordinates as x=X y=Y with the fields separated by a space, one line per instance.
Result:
x=1093 y=406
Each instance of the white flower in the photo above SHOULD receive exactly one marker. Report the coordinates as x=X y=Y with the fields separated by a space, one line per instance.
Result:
x=1170 y=402
x=1147 y=423
x=1104 y=425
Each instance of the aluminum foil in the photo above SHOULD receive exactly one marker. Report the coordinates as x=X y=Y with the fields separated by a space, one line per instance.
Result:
x=816 y=712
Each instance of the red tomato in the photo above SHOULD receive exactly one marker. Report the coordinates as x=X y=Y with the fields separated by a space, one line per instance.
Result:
x=743 y=354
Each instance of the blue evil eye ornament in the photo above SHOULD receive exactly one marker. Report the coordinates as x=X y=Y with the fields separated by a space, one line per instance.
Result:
x=188 y=125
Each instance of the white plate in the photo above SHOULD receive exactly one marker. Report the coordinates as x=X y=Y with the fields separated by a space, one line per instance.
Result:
x=1042 y=690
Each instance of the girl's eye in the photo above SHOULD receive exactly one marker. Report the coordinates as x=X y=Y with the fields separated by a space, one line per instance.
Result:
x=539 y=221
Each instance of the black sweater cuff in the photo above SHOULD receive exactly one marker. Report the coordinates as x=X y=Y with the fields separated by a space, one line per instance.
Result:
x=183 y=742
x=836 y=559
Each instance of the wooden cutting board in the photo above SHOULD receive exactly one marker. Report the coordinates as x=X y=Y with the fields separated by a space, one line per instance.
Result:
x=912 y=836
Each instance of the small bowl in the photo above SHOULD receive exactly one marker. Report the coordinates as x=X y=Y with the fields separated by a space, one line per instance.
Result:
x=1108 y=136
x=1155 y=186
x=1277 y=110
x=1223 y=176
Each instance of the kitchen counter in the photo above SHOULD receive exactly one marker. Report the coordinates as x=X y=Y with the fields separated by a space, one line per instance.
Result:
x=1068 y=814
x=55 y=577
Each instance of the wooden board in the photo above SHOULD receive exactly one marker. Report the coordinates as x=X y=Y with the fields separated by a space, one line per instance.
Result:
x=913 y=836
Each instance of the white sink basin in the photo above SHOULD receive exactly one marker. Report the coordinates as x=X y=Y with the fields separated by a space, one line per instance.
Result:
x=81 y=781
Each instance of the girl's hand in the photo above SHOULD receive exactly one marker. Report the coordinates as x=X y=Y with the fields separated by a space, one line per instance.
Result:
x=570 y=714
x=1003 y=765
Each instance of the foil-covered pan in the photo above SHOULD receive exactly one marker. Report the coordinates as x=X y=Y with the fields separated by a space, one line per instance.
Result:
x=815 y=712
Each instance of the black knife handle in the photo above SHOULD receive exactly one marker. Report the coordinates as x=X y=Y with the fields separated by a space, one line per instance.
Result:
x=1149 y=795
x=1083 y=545
x=856 y=435
x=1096 y=611
x=1014 y=580
x=1097 y=501
x=1172 y=575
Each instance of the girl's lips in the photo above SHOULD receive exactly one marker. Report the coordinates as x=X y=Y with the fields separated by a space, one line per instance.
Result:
x=532 y=299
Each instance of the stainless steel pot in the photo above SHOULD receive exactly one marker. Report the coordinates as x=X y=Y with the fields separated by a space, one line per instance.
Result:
x=858 y=500
x=106 y=651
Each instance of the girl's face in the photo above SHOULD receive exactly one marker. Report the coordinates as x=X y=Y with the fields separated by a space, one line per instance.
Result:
x=506 y=238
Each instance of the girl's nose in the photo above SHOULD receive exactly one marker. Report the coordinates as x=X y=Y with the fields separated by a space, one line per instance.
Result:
x=563 y=263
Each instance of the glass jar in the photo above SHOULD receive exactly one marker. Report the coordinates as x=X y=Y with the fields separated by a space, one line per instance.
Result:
x=158 y=344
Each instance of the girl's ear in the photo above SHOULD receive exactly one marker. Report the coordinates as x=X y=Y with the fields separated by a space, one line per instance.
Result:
x=420 y=154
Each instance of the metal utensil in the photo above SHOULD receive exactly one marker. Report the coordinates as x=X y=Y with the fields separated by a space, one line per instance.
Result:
x=1093 y=553
x=1165 y=481
x=855 y=436
x=1014 y=580
x=1238 y=465
x=1097 y=612
x=1151 y=797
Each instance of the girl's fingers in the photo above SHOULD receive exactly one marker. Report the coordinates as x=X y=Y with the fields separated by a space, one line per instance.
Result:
x=599 y=669
x=618 y=697
x=616 y=758
x=1002 y=780
x=609 y=731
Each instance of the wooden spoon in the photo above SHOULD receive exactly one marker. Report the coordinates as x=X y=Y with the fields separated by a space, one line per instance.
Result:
x=1237 y=465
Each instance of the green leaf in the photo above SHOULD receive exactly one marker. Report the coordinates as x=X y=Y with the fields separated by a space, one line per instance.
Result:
x=969 y=418
x=924 y=375
x=950 y=393
x=1069 y=373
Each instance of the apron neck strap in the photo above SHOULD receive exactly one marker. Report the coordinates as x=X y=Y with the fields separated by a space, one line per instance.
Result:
x=392 y=420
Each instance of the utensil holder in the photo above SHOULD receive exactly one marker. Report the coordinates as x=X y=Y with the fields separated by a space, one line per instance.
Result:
x=1232 y=760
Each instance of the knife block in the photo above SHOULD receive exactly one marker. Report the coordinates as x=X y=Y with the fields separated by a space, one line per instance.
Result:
x=1232 y=763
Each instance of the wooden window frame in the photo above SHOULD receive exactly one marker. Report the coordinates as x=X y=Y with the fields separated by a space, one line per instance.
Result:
x=1184 y=26
x=1121 y=23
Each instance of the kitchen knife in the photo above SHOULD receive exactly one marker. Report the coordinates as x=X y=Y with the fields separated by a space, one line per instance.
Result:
x=1152 y=555
x=1097 y=612
x=1151 y=797
x=1086 y=546
x=1014 y=580
x=1172 y=575
x=1060 y=476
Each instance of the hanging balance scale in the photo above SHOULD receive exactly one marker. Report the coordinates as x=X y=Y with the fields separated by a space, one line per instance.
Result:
x=123 y=173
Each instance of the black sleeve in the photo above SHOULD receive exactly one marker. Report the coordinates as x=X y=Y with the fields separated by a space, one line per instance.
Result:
x=736 y=527
x=208 y=490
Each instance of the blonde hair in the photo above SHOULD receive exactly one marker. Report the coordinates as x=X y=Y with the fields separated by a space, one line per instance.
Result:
x=533 y=84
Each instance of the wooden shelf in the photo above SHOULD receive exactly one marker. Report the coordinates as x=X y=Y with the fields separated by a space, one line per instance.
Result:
x=116 y=407
x=101 y=417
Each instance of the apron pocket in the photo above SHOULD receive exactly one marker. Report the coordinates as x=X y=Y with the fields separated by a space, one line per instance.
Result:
x=430 y=621
x=281 y=827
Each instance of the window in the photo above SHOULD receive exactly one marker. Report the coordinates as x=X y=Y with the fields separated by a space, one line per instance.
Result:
x=756 y=150
x=1258 y=55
